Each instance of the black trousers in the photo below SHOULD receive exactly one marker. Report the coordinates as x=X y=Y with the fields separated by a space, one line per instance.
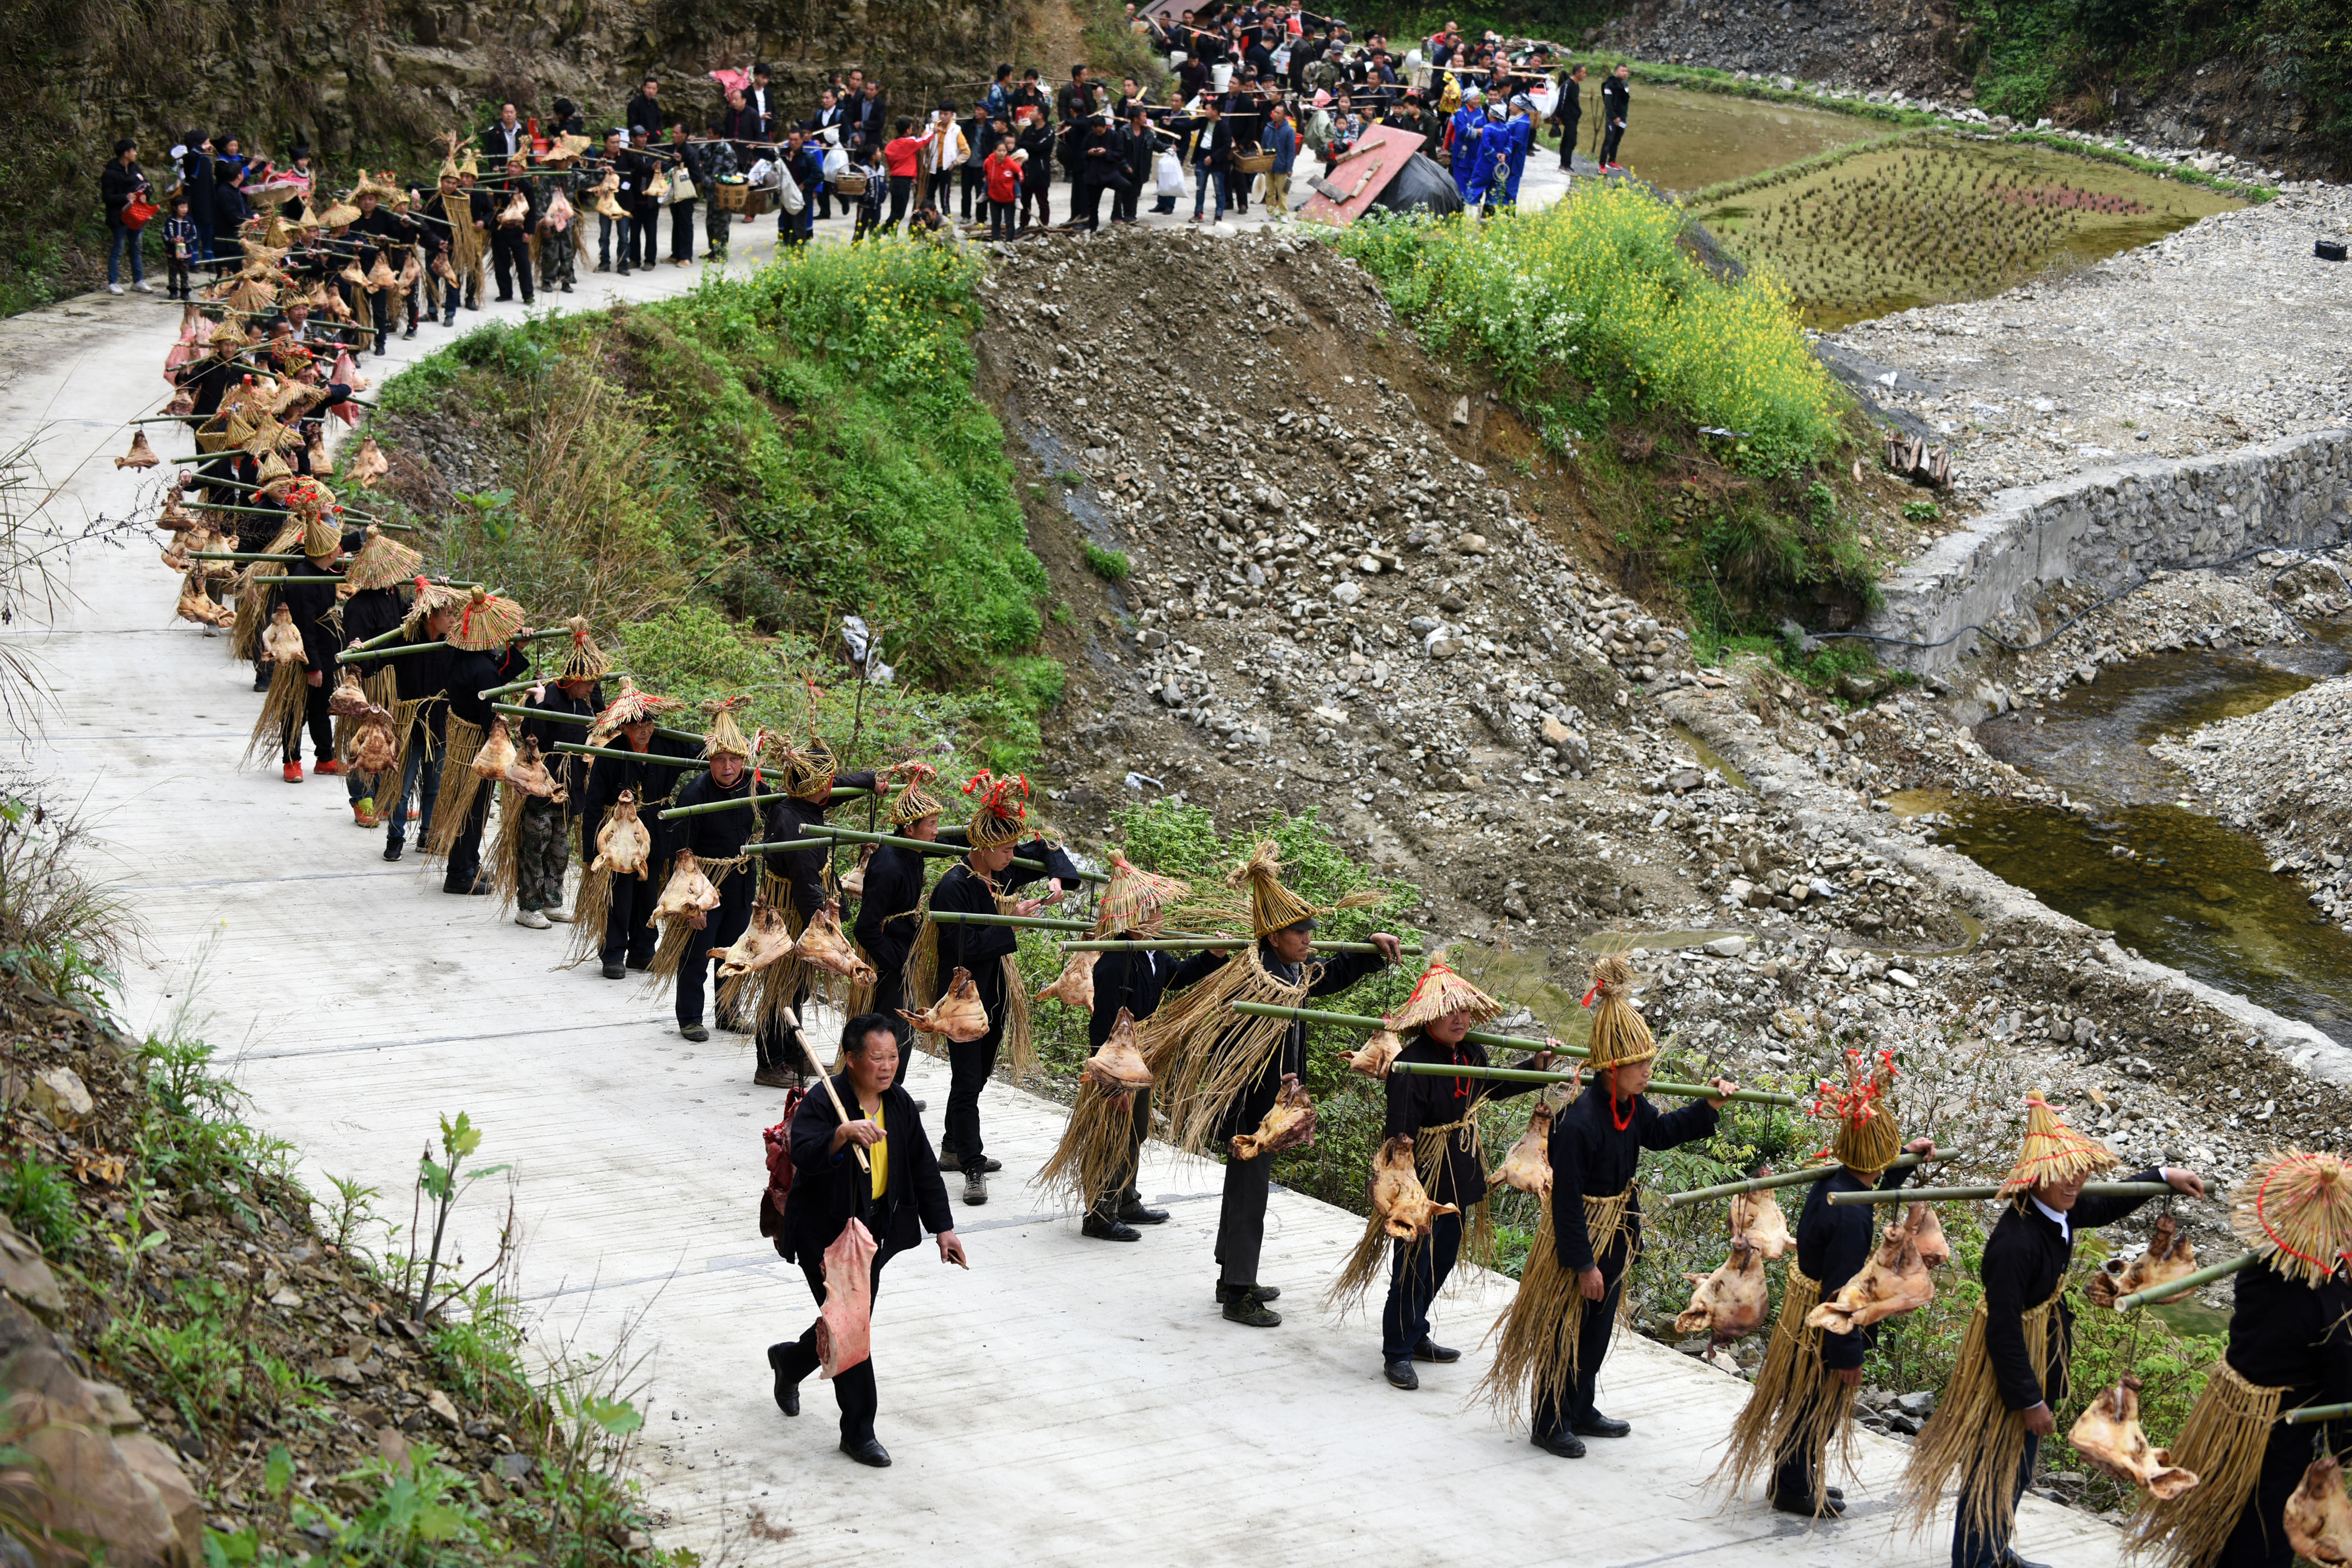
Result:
x=2260 y=1539
x=1792 y=1467
x=466 y=849
x=1568 y=145
x=1122 y=1191
x=902 y=189
x=722 y=928
x=681 y=234
x=510 y=257
x=627 y=937
x=645 y=234
x=1417 y=1271
x=976 y=187
x=1970 y=1550
x=970 y=1062
x=316 y=718
x=936 y=187
x=1608 y=140
x=854 y=1390
x=783 y=1046
x=1241 y=1219
x=1086 y=203
x=1592 y=1334
x=1122 y=203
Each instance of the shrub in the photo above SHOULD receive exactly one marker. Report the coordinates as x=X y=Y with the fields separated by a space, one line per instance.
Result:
x=1590 y=310
x=1108 y=563
x=40 y=1204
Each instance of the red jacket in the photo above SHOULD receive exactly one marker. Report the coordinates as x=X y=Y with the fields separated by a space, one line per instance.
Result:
x=1003 y=177
x=902 y=155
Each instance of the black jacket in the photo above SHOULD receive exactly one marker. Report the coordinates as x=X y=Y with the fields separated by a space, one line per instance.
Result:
x=2286 y=1334
x=1592 y=1157
x=307 y=591
x=369 y=613
x=498 y=143
x=1416 y=1100
x=1131 y=980
x=117 y=185
x=426 y=675
x=651 y=776
x=888 y=918
x=1833 y=1242
x=714 y=835
x=1616 y=102
x=979 y=948
x=569 y=769
x=1325 y=978
x=802 y=871
x=645 y=112
x=830 y=1188
x=2024 y=1262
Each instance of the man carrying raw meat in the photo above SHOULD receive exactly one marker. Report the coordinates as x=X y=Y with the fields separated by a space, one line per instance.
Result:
x=865 y=1186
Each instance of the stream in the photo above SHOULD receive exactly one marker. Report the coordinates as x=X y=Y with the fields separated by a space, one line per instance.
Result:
x=2191 y=891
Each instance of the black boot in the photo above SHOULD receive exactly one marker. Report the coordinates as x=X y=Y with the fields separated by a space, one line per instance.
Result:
x=1561 y=1444
x=1430 y=1349
x=788 y=1388
x=1400 y=1372
x=1227 y=1294
x=1137 y=1213
x=1103 y=1230
x=1595 y=1424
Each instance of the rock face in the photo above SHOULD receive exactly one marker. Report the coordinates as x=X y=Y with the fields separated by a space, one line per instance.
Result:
x=101 y=1475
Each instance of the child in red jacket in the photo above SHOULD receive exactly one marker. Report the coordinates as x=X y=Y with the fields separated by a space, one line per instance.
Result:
x=1004 y=169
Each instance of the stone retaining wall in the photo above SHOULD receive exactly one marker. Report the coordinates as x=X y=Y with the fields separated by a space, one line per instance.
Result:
x=2109 y=529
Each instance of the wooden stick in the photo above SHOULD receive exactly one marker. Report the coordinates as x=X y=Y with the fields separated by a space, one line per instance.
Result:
x=1368 y=1024
x=1784 y=1179
x=927 y=847
x=2202 y=1277
x=833 y=1094
x=1199 y=944
x=1965 y=1193
x=2311 y=1413
x=1585 y=1076
x=1027 y=922
x=236 y=555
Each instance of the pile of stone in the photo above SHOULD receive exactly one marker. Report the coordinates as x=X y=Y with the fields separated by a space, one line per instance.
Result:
x=2286 y=773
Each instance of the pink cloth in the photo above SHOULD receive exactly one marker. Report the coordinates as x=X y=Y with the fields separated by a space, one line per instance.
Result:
x=844 y=1324
x=730 y=79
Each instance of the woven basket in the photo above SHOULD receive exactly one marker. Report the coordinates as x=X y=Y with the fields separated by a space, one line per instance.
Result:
x=849 y=183
x=1252 y=162
x=729 y=196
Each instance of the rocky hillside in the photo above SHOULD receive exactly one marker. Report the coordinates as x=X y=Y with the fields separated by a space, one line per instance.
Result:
x=2256 y=79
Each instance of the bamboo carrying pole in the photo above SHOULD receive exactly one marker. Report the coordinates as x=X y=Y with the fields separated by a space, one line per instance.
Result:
x=709 y=806
x=2311 y=1413
x=2201 y=1278
x=1965 y=1193
x=239 y=555
x=577 y=748
x=358 y=656
x=1784 y=1179
x=780 y=845
x=1368 y=1024
x=1584 y=1075
x=585 y=720
x=1028 y=922
x=927 y=847
x=1202 y=944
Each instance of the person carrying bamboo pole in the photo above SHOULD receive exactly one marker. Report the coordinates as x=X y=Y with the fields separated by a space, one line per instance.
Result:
x=611 y=912
x=372 y=608
x=420 y=717
x=716 y=839
x=486 y=635
x=1803 y=1397
x=545 y=851
x=871 y=1167
x=1555 y=1333
x=2010 y=1374
x=1438 y=1118
x=2290 y=1345
x=307 y=591
x=890 y=908
x=1220 y=1073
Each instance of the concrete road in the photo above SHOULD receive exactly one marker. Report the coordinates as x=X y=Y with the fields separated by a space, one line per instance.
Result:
x=1066 y=1401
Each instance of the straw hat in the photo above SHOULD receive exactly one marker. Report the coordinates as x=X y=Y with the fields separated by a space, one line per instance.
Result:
x=807 y=769
x=724 y=736
x=1274 y=907
x=1866 y=1136
x=1440 y=991
x=323 y=540
x=1136 y=899
x=485 y=623
x=1620 y=1038
x=631 y=707
x=337 y=215
x=2296 y=1210
x=381 y=562
x=431 y=599
x=914 y=802
x=2052 y=1151
x=997 y=817
x=585 y=661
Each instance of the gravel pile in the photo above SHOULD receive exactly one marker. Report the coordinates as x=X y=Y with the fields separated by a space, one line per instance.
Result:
x=2224 y=333
x=2286 y=772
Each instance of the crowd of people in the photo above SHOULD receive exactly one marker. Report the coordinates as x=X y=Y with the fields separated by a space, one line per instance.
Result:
x=709 y=866
x=1249 y=93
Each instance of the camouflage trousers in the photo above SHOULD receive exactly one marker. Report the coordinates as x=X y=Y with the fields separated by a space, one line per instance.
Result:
x=544 y=852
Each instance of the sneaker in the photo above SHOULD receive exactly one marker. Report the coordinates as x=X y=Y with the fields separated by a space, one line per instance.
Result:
x=392 y=849
x=143 y=287
x=1400 y=1372
x=693 y=1031
x=363 y=813
x=561 y=916
x=532 y=920
x=975 y=1187
x=1249 y=1309
x=410 y=333
x=114 y=288
x=328 y=766
x=292 y=773
x=1228 y=1294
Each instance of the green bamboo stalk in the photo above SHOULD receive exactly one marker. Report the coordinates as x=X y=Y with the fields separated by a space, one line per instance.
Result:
x=723 y=806
x=926 y=847
x=240 y=555
x=1369 y=1024
x=1584 y=1075
x=1783 y=1178
x=585 y=720
x=577 y=750
x=1966 y=1193
x=1201 y=943
x=1026 y=922
x=2197 y=1280
x=380 y=640
x=2311 y=1413
x=358 y=656
x=780 y=846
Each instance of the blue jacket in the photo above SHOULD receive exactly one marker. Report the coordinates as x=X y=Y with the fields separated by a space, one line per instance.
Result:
x=1282 y=141
x=1489 y=169
x=1522 y=138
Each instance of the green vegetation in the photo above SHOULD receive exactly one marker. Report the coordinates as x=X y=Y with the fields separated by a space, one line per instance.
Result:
x=729 y=473
x=1112 y=564
x=40 y=1204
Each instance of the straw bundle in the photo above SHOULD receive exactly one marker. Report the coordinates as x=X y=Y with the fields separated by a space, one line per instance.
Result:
x=1973 y=1438
x=1796 y=1405
x=1537 y=1352
x=459 y=784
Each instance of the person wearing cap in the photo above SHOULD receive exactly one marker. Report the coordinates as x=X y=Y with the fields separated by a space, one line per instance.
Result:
x=2290 y=1345
x=1522 y=139
x=483 y=657
x=2009 y=1376
x=973 y=885
x=1802 y=1402
x=1438 y=1116
x=717 y=840
x=890 y=909
x=1224 y=1073
x=720 y=161
x=1554 y=1334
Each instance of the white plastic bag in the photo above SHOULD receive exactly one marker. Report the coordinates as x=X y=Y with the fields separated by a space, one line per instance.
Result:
x=790 y=196
x=1168 y=172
